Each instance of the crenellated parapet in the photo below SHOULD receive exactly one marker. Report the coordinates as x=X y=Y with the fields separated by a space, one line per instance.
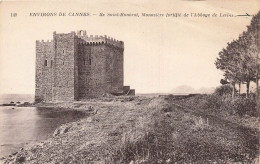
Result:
x=44 y=42
x=98 y=40
x=44 y=47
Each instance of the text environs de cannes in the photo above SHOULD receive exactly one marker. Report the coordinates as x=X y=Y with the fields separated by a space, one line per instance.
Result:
x=54 y=14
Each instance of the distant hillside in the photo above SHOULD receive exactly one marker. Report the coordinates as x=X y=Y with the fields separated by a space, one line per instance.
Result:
x=150 y=94
x=206 y=90
x=185 y=89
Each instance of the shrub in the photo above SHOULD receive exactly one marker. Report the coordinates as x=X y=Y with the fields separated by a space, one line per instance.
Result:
x=212 y=102
x=217 y=103
x=240 y=106
x=223 y=90
x=204 y=102
x=245 y=106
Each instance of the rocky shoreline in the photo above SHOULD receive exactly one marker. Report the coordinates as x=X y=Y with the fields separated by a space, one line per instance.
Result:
x=124 y=130
x=97 y=110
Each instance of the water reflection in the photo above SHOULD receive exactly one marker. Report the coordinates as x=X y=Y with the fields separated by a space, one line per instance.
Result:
x=22 y=125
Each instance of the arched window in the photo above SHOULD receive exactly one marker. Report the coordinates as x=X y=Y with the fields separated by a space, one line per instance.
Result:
x=84 y=61
x=45 y=63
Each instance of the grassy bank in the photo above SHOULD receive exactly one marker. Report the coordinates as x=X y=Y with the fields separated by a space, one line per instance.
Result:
x=176 y=135
x=144 y=130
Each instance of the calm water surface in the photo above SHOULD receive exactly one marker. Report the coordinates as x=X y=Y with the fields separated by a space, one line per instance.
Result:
x=25 y=125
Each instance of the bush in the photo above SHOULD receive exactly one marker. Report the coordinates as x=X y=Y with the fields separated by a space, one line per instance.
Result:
x=212 y=102
x=221 y=102
x=208 y=102
x=245 y=106
x=240 y=106
x=224 y=90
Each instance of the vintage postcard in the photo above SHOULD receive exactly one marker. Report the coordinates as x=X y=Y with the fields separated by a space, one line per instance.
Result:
x=129 y=81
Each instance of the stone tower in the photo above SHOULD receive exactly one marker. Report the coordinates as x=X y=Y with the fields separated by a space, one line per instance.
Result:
x=77 y=66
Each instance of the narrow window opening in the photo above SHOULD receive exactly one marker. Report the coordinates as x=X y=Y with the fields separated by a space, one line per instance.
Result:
x=89 y=61
x=84 y=61
x=63 y=51
x=45 y=63
x=51 y=63
x=62 y=62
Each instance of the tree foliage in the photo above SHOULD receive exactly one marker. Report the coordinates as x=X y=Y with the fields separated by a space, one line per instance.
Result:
x=239 y=60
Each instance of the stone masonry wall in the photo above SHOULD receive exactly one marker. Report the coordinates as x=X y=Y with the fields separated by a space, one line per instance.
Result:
x=100 y=65
x=43 y=75
x=100 y=70
x=91 y=71
x=114 y=68
x=64 y=67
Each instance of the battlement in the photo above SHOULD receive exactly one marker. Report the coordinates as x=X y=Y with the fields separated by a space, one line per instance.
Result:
x=44 y=42
x=98 y=39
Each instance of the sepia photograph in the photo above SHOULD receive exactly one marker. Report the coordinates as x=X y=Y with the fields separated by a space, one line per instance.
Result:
x=129 y=82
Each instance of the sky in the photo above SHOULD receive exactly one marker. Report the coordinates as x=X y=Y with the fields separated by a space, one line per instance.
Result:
x=160 y=53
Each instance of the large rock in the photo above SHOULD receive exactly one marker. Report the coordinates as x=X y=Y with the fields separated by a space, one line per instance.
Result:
x=61 y=130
